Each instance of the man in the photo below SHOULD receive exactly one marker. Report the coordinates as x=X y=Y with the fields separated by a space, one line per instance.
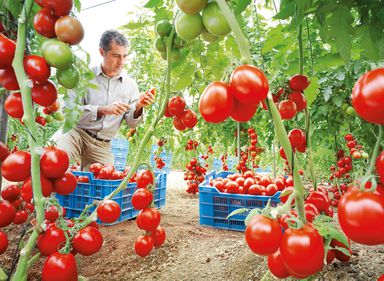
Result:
x=104 y=109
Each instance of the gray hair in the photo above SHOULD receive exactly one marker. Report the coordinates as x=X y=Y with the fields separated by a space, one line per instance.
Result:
x=112 y=35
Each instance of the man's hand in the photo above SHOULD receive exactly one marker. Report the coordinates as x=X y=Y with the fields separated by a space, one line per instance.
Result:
x=117 y=108
x=146 y=99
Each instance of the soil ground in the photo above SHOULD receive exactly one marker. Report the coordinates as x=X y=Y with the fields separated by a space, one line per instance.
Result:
x=193 y=252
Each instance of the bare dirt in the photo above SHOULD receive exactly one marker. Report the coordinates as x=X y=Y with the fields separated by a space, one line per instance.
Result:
x=193 y=252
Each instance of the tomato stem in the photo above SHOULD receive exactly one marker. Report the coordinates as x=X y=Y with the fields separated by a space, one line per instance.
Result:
x=282 y=136
x=29 y=121
x=375 y=153
x=241 y=39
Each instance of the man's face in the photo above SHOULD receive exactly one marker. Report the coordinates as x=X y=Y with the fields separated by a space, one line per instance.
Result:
x=114 y=59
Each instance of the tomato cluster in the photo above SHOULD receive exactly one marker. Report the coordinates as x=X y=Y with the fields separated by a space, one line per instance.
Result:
x=250 y=183
x=131 y=132
x=239 y=99
x=108 y=172
x=182 y=118
x=163 y=29
x=194 y=174
x=290 y=98
x=191 y=145
x=149 y=217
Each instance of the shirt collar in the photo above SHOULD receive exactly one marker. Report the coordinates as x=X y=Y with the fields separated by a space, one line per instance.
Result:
x=121 y=77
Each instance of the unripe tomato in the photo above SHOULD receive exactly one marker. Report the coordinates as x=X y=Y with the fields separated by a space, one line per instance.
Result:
x=214 y=20
x=69 y=30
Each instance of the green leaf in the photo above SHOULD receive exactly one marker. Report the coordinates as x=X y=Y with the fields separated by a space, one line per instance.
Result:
x=338 y=100
x=154 y=3
x=287 y=9
x=341 y=29
x=135 y=25
x=3 y=275
x=77 y=5
x=14 y=7
x=186 y=77
x=329 y=60
x=241 y=5
x=370 y=50
x=274 y=37
x=238 y=211
x=313 y=90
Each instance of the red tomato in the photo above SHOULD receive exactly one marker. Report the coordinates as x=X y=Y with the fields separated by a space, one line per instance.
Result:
x=20 y=217
x=148 y=219
x=287 y=109
x=52 y=214
x=10 y=192
x=339 y=254
x=8 y=79
x=4 y=151
x=59 y=267
x=14 y=106
x=117 y=175
x=108 y=211
x=144 y=178
x=166 y=112
x=263 y=235
x=296 y=137
x=17 y=166
x=176 y=106
x=248 y=84
x=87 y=241
x=65 y=185
x=299 y=99
x=37 y=68
x=216 y=102
x=51 y=240
x=368 y=98
x=7 y=52
x=44 y=93
x=298 y=245
x=361 y=217
x=276 y=265
x=311 y=211
x=380 y=166
x=144 y=245
x=95 y=168
x=243 y=112
x=158 y=236
x=40 y=120
x=54 y=162
x=83 y=179
x=44 y=23
x=178 y=124
x=26 y=188
x=271 y=189
x=330 y=256
x=60 y=8
x=298 y=82
x=141 y=199
x=189 y=118
x=7 y=213
x=3 y=242
x=319 y=199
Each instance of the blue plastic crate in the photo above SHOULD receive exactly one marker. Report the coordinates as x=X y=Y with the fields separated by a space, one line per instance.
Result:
x=120 y=148
x=215 y=206
x=120 y=144
x=96 y=189
x=165 y=156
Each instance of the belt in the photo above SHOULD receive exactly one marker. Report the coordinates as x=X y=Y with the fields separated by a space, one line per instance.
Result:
x=95 y=136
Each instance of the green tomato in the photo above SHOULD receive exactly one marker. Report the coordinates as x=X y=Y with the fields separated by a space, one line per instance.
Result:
x=214 y=20
x=69 y=77
x=208 y=37
x=160 y=44
x=188 y=27
x=58 y=54
x=191 y=6
x=350 y=110
x=364 y=155
x=58 y=116
x=163 y=28
x=49 y=118
x=48 y=42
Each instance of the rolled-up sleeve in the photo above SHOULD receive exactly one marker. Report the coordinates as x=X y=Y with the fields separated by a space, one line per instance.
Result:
x=92 y=109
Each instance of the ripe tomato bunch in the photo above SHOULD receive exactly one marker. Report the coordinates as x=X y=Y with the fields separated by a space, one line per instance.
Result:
x=251 y=153
x=182 y=118
x=194 y=175
x=250 y=183
x=191 y=145
x=149 y=217
x=290 y=99
x=108 y=172
x=286 y=251
x=239 y=99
